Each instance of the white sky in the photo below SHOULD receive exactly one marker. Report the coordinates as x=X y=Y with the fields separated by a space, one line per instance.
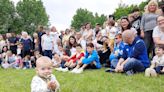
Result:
x=62 y=11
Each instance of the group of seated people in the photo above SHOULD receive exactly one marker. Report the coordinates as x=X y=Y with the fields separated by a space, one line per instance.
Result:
x=129 y=55
x=126 y=47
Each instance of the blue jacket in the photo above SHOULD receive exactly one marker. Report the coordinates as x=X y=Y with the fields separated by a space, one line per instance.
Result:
x=138 y=51
x=27 y=44
x=119 y=48
x=92 y=57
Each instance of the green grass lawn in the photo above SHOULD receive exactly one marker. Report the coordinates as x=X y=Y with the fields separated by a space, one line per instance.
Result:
x=12 y=80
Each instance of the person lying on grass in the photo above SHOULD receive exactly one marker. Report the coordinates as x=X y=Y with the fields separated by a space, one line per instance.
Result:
x=157 y=64
x=44 y=81
x=91 y=60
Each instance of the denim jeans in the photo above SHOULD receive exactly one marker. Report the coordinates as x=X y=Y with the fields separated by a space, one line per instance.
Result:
x=158 y=69
x=48 y=53
x=26 y=64
x=134 y=65
x=114 y=63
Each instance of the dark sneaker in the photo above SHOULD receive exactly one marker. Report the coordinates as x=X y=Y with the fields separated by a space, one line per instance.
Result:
x=110 y=70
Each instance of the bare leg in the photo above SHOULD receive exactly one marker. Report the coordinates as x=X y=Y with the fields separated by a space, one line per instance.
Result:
x=72 y=65
x=79 y=65
x=67 y=64
x=84 y=66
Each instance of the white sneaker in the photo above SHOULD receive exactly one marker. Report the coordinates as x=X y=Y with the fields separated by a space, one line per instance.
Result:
x=24 y=68
x=74 y=70
x=59 y=69
x=17 y=68
x=80 y=70
x=65 y=69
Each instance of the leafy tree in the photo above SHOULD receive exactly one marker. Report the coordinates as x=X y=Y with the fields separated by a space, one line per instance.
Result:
x=99 y=19
x=7 y=15
x=123 y=11
x=83 y=16
x=31 y=13
x=142 y=5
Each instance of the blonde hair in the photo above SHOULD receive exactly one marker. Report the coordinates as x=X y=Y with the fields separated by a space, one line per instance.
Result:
x=43 y=61
x=35 y=35
x=150 y=3
x=9 y=52
x=104 y=24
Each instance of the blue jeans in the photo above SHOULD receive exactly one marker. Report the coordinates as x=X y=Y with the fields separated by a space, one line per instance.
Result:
x=114 y=63
x=48 y=53
x=26 y=64
x=134 y=65
x=158 y=69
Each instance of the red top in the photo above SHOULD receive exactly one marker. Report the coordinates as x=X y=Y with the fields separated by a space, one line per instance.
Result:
x=75 y=57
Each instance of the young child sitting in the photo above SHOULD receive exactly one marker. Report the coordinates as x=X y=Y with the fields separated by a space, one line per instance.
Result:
x=10 y=60
x=56 y=61
x=19 y=62
x=27 y=62
x=44 y=81
x=59 y=57
x=157 y=64
x=117 y=51
x=91 y=60
x=73 y=60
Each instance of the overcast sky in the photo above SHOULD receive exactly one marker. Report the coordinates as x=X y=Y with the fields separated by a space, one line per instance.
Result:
x=62 y=11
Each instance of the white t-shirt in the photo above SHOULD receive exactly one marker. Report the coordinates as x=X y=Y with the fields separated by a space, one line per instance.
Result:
x=47 y=42
x=2 y=43
x=87 y=32
x=158 y=61
x=104 y=32
x=96 y=45
x=112 y=32
x=73 y=51
x=55 y=36
x=39 y=85
x=158 y=33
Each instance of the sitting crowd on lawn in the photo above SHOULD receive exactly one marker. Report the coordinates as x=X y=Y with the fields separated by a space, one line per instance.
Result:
x=131 y=45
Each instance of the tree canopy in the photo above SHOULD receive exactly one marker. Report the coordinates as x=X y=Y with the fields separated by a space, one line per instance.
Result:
x=83 y=16
x=7 y=15
x=26 y=16
x=124 y=10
